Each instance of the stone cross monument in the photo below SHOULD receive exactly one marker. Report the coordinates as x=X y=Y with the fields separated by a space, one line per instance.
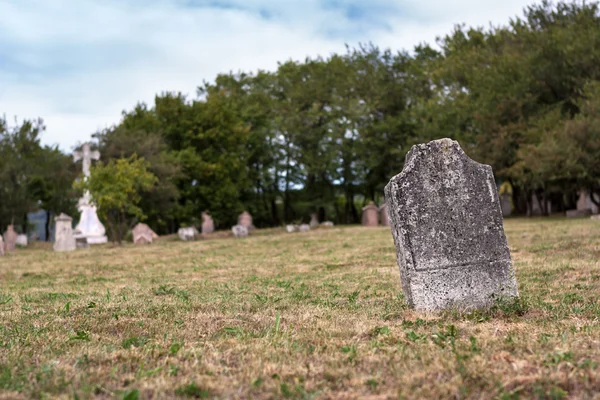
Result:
x=89 y=225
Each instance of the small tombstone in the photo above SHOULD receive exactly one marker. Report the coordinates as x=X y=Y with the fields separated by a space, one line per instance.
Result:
x=304 y=228
x=595 y=217
x=21 y=241
x=10 y=238
x=447 y=226
x=291 y=228
x=81 y=242
x=370 y=215
x=142 y=234
x=1 y=246
x=245 y=219
x=188 y=233
x=578 y=213
x=327 y=224
x=384 y=216
x=314 y=220
x=240 y=231
x=208 y=225
x=64 y=239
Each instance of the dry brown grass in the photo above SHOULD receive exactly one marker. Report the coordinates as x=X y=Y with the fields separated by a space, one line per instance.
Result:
x=305 y=315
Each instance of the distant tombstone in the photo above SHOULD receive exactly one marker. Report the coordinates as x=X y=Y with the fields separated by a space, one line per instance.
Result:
x=595 y=217
x=314 y=220
x=383 y=216
x=64 y=239
x=585 y=203
x=291 y=228
x=142 y=234
x=447 y=226
x=370 y=215
x=1 y=246
x=10 y=238
x=304 y=228
x=188 y=233
x=240 y=231
x=245 y=219
x=208 y=225
x=21 y=241
x=81 y=242
x=578 y=213
x=327 y=224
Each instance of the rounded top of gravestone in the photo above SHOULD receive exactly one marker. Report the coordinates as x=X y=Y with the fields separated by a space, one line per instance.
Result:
x=370 y=206
x=63 y=217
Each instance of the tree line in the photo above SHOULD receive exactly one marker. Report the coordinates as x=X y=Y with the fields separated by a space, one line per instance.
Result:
x=325 y=135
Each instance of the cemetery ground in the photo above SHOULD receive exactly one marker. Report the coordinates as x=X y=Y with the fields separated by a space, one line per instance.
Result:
x=304 y=315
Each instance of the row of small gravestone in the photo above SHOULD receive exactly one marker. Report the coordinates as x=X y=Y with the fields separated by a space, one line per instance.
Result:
x=314 y=223
x=242 y=229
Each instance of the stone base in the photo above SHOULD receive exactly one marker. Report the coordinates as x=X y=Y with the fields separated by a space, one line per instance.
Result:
x=97 y=239
x=464 y=288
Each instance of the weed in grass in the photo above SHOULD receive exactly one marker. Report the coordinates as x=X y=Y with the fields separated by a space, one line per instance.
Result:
x=193 y=390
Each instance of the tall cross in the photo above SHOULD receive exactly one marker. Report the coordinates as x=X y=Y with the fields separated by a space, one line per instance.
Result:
x=87 y=155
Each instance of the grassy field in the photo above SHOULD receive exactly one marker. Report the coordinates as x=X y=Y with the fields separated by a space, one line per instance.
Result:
x=305 y=315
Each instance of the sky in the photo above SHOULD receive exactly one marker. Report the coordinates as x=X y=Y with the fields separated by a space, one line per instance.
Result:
x=78 y=64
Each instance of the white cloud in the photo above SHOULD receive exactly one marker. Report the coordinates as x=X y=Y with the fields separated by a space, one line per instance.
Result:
x=79 y=63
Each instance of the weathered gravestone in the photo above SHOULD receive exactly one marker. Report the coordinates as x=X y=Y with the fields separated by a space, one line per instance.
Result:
x=447 y=226
x=314 y=220
x=304 y=228
x=327 y=224
x=370 y=216
x=142 y=234
x=10 y=239
x=64 y=239
x=188 y=233
x=383 y=216
x=208 y=225
x=245 y=219
x=240 y=231
x=291 y=228
x=1 y=246
x=22 y=241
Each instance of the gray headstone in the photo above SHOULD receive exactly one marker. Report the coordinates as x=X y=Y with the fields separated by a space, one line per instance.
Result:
x=240 y=231
x=208 y=225
x=370 y=215
x=188 y=233
x=291 y=228
x=327 y=224
x=314 y=220
x=447 y=225
x=64 y=239
x=10 y=239
x=304 y=228
x=81 y=242
x=245 y=219
x=1 y=246
x=21 y=240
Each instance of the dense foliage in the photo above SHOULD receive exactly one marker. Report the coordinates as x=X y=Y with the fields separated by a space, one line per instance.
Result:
x=325 y=135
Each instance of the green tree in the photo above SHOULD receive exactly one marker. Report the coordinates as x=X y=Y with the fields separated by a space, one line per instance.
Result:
x=116 y=190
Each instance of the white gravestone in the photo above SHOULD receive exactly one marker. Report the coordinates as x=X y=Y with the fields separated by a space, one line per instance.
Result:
x=89 y=225
x=64 y=239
